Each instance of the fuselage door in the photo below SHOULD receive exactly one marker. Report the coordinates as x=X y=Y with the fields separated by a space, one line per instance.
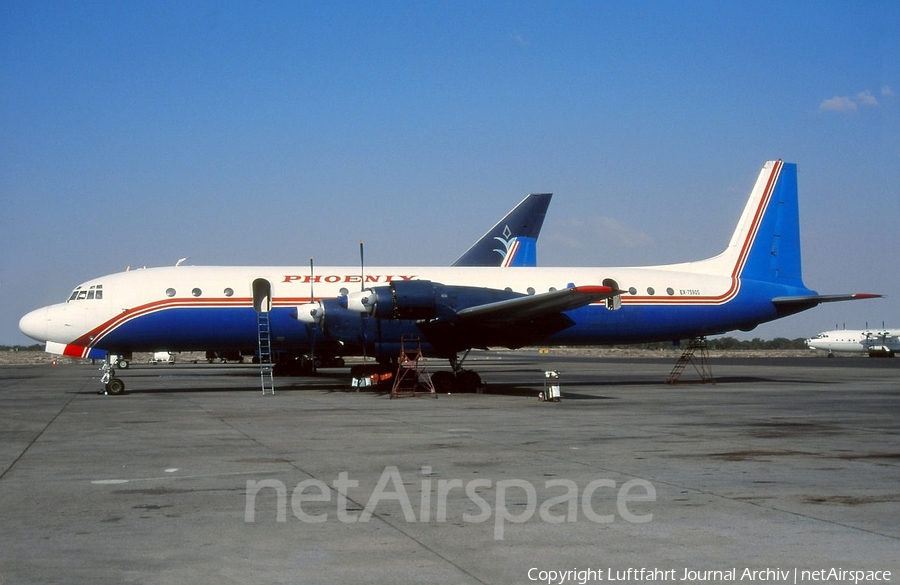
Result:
x=613 y=303
x=262 y=295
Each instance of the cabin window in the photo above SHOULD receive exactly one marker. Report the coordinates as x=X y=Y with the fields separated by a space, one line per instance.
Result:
x=229 y=292
x=530 y=290
x=170 y=292
x=651 y=291
x=196 y=292
x=632 y=291
x=670 y=291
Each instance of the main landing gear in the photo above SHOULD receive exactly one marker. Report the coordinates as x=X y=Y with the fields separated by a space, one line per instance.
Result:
x=459 y=380
x=111 y=385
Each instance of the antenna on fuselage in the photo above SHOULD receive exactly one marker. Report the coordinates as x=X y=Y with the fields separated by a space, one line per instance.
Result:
x=181 y=260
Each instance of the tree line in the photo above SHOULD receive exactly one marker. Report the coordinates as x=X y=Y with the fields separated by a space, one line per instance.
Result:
x=730 y=343
x=34 y=347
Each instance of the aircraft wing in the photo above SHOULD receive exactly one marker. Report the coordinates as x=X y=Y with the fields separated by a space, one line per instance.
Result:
x=534 y=306
x=511 y=323
x=487 y=317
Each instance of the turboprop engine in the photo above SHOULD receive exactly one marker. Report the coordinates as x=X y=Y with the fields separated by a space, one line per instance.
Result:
x=403 y=299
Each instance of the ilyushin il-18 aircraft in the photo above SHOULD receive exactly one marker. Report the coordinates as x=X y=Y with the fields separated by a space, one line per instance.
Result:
x=878 y=343
x=370 y=311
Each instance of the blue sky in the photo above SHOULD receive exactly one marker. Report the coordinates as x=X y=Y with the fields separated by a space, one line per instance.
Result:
x=261 y=132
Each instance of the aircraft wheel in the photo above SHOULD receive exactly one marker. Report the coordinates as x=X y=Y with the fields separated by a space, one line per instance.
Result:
x=123 y=364
x=115 y=387
x=468 y=381
x=442 y=381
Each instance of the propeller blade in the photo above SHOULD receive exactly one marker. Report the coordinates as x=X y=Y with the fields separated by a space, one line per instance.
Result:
x=312 y=278
x=362 y=266
x=362 y=287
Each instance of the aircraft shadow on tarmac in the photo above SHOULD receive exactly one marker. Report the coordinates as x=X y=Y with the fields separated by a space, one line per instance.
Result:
x=154 y=380
x=725 y=380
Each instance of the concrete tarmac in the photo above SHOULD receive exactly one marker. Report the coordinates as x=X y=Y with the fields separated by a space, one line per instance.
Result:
x=786 y=467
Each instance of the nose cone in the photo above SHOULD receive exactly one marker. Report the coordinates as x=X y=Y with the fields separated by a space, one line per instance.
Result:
x=35 y=324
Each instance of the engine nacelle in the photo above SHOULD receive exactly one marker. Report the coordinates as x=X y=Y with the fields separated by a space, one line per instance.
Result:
x=402 y=299
x=310 y=313
x=363 y=301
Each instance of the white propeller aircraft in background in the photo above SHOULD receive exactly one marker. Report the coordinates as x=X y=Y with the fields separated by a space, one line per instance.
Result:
x=448 y=310
x=879 y=343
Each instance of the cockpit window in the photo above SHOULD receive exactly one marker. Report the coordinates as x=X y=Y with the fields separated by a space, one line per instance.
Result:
x=93 y=292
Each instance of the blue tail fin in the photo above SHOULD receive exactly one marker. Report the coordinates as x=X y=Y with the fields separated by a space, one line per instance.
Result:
x=523 y=222
x=774 y=253
x=766 y=243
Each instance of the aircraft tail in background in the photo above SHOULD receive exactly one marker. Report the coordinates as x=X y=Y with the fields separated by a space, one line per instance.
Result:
x=499 y=247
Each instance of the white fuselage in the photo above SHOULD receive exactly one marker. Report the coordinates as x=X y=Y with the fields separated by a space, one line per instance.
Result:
x=132 y=294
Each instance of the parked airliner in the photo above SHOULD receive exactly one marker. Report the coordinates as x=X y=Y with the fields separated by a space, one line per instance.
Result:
x=448 y=310
x=879 y=343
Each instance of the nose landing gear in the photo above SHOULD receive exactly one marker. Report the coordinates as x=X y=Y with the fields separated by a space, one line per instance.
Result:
x=111 y=385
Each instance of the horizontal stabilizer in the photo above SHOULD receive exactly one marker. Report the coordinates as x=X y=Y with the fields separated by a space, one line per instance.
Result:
x=813 y=300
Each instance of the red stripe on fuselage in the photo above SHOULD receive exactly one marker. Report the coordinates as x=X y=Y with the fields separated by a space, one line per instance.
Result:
x=95 y=335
